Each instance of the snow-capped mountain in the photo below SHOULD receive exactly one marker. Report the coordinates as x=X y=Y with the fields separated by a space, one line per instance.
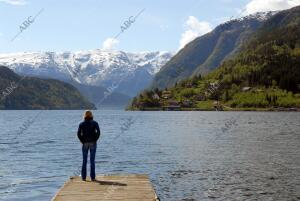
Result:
x=127 y=73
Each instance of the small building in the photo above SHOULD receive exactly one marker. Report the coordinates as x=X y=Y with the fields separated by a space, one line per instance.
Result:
x=166 y=94
x=172 y=105
x=218 y=106
x=187 y=103
x=212 y=88
x=171 y=108
x=189 y=85
x=156 y=96
x=214 y=85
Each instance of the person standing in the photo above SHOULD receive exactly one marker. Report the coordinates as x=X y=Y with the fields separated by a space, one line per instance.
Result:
x=88 y=134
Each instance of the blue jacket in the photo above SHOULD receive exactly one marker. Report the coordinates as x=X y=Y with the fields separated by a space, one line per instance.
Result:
x=88 y=131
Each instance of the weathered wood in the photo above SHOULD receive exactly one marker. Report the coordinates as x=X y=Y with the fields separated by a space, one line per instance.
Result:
x=109 y=187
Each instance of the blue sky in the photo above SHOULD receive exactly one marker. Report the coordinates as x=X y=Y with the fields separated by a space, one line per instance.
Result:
x=72 y=25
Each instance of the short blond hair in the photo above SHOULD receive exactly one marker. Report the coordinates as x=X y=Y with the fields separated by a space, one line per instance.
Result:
x=88 y=115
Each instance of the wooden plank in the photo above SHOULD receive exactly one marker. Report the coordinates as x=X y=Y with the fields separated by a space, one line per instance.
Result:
x=108 y=187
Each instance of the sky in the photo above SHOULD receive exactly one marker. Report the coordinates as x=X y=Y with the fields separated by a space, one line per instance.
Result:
x=127 y=25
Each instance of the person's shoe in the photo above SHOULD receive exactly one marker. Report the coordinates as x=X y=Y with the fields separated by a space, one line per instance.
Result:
x=93 y=179
x=83 y=179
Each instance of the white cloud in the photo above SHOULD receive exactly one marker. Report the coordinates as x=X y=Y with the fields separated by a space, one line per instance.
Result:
x=269 y=5
x=110 y=43
x=14 y=2
x=194 y=28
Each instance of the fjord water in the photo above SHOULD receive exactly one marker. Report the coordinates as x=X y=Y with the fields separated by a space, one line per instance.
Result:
x=188 y=155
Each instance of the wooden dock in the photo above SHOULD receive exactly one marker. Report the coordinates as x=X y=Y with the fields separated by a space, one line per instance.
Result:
x=110 y=187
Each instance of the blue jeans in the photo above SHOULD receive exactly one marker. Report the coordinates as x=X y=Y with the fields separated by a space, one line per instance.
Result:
x=85 y=150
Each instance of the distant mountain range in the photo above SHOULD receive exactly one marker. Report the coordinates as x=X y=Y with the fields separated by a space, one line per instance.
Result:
x=120 y=74
x=102 y=97
x=110 y=78
x=263 y=73
x=24 y=93
x=207 y=52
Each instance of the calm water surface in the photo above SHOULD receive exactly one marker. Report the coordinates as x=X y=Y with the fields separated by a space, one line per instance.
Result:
x=188 y=155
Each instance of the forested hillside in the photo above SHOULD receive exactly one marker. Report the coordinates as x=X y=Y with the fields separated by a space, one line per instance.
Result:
x=265 y=74
x=207 y=52
x=18 y=93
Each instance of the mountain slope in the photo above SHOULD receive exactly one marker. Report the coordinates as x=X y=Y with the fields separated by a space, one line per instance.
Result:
x=102 y=97
x=264 y=74
x=95 y=67
x=207 y=52
x=33 y=93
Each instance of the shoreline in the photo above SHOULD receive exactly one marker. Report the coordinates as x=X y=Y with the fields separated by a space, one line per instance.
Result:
x=226 y=110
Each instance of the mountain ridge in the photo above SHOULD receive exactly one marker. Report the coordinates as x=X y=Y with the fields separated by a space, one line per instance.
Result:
x=26 y=93
x=93 y=67
x=207 y=52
